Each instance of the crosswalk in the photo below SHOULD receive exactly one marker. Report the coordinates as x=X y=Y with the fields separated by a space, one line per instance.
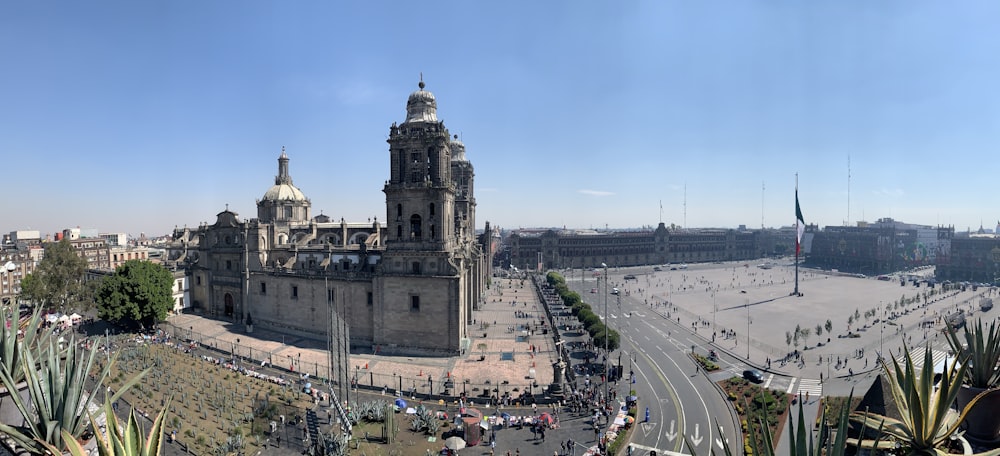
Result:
x=810 y=387
x=938 y=356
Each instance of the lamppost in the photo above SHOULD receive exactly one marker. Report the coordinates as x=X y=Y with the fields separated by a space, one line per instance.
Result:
x=9 y=267
x=607 y=291
x=748 y=329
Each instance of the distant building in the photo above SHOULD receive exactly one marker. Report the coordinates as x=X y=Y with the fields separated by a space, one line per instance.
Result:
x=115 y=239
x=971 y=259
x=95 y=251
x=878 y=248
x=588 y=248
x=14 y=265
x=120 y=254
x=406 y=284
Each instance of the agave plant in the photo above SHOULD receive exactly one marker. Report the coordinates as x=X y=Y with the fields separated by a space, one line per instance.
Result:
x=982 y=350
x=31 y=335
x=800 y=442
x=927 y=422
x=58 y=396
x=118 y=441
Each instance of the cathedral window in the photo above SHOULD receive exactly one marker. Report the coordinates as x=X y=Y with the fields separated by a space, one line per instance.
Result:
x=399 y=232
x=295 y=292
x=399 y=212
x=371 y=298
x=432 y=232
x=415 y=267
x=329 y=295
x=414 y=303
x=229 y=265
x=432 y=208
x=415 y=227
x=263 y=288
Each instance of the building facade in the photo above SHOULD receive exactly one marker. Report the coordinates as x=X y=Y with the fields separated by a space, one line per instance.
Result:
x=407 y=284
x=880 y=248
x=588 y=248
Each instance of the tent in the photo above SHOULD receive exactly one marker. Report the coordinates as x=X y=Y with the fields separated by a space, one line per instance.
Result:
x=400 y=403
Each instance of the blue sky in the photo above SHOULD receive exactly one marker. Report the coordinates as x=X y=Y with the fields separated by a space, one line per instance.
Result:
x=139 y=116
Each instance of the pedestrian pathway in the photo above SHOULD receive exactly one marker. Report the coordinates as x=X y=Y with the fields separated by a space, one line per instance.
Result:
x=810 y=387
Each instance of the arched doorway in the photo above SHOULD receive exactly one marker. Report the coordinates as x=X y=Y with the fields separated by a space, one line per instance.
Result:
x=229 y=304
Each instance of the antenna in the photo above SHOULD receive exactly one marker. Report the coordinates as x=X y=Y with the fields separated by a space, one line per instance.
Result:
x=848 y=222
x=661 y=211
x=685 y=205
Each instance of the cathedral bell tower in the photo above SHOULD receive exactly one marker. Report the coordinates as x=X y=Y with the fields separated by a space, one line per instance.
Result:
x=420 y=192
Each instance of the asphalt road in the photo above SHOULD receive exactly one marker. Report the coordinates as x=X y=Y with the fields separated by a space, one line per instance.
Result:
x=683 y=402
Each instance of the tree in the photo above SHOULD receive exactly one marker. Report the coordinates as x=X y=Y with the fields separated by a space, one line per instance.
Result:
x=819 y=330
x=57 y=283
x=139 y=293
x=828 y=326
x=806 y=332
x=788 y=339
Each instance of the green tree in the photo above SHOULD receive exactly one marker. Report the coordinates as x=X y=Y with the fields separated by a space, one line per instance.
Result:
x=139 y=293
x=828 y=326
x=57 y=283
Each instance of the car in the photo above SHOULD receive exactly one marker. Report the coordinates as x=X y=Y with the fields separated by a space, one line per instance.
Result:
x=753 y=375
x=657 y=268
x=593 y=290
x=630 y=277
x=614 y=291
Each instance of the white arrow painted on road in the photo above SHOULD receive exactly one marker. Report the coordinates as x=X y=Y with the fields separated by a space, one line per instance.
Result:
x=696 y=439
x=671 y=435
x=719 y=441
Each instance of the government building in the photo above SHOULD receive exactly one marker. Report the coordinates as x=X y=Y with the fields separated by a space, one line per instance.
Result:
x=403 y=285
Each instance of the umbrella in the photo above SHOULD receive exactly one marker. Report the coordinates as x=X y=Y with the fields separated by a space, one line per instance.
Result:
x=454 y=443
x=505 y=415
x=630 y=419
x=400 y=402
x=546 y=418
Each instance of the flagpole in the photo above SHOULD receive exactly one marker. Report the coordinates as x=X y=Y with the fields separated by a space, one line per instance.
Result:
x=796 y=234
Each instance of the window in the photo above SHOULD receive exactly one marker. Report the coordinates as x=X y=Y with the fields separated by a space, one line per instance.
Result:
x=229 y=265
x=415 y=227
x=399 y=211
x=263 y=288
x=415 y=267
x=415 y=303
x=197 y=280
x=432 y=232
x=432 y=208
x=371 y=299
x=329 y=295
x=295 y=292
x=399 y=232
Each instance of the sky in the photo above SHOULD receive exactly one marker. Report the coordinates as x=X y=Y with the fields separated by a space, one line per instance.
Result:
x=139 y=117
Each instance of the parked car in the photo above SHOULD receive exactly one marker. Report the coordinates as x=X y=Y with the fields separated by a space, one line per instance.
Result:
x=630 y=277
x=753 y=375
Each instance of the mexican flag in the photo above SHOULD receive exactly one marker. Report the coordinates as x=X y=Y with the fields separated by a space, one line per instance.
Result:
x=800 y=224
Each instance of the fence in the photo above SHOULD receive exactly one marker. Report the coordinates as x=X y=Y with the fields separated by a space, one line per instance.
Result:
x=424 y=387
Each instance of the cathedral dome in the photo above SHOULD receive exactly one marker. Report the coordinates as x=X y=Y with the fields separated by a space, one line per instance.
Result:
x=421 y=106
x=284 y=192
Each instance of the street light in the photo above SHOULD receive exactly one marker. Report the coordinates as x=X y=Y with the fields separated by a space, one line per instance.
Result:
x=607 y=291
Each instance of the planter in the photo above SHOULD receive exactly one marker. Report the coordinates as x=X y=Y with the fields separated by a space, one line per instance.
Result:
x=982 y=423
x=9 y=413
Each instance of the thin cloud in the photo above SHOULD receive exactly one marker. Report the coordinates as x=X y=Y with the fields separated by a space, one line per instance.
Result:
x=893 y=192
x=595 y=192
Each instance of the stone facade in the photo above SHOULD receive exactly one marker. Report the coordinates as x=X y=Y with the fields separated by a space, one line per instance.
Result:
x=405 y=286
x=587 y=249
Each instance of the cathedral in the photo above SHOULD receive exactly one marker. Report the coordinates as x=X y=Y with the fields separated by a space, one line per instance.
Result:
x=405 y=285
